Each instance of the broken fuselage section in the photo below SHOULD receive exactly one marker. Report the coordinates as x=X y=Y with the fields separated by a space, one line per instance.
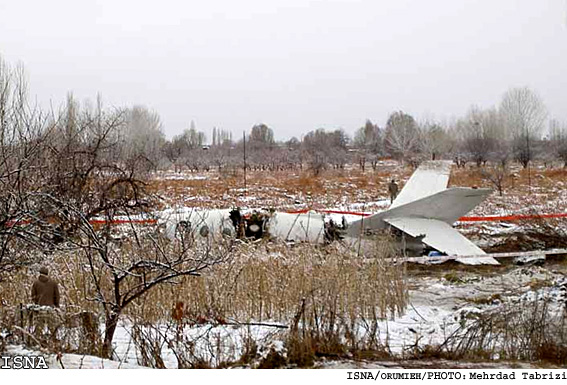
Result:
x=421 y=218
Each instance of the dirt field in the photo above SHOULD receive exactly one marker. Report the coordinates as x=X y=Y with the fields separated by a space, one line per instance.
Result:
x=537 y=190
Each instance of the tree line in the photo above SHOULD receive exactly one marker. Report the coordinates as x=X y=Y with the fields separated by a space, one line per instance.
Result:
x=518 y=129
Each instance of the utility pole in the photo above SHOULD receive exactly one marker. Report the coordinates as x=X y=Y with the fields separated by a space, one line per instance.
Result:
x=244 y=143
x=529 y=159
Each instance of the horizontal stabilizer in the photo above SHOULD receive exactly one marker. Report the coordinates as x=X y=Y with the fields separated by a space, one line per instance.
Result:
x=447 y=206
x=441 y=236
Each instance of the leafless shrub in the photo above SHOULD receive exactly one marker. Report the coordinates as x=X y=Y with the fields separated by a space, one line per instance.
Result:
x=531 y=331
x=52 y=330
x=496 y=175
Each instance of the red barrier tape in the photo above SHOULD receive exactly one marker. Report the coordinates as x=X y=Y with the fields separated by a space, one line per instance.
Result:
x=124 y=221
x=511 y=218
x=94 y=222
x=490 y=218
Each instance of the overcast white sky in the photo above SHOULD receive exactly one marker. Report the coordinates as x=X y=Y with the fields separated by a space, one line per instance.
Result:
x=295 y=65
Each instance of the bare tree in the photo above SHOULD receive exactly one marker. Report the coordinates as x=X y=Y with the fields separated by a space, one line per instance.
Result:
x=524 y=114
x=480 y=132
x=221 y=137
x=496 y=175
x=434 y=140
x=123 y=270
x=58 y=174
x=368 y=143
x=261 y=136
x=558 y=139
x=89 y=184
x=323 y=148
x=173 y=151
x=402 y=136
x=143 y=137
x=186 y=148
x=22 y=149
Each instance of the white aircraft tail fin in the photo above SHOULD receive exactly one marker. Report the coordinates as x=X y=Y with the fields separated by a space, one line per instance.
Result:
x=430 y=178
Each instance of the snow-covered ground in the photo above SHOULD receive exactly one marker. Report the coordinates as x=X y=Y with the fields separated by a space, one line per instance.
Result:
x=69 y=361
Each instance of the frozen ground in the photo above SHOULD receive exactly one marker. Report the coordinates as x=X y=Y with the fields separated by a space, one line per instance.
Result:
x=70 y=361
x=351 y=190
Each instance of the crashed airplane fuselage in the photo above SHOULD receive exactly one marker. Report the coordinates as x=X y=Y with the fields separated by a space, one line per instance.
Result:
x=422 y=215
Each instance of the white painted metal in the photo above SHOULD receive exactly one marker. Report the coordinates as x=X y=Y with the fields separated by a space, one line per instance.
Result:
x=447 y=206
x=216 y=221
x=426 y=207
x=429 y=178
x=441 y=236
x=309 y=227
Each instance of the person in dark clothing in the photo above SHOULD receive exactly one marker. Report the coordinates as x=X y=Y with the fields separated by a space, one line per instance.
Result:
x=45 y=291
x=393 y=190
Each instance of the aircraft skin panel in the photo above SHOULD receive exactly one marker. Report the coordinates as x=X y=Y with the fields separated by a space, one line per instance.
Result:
x=441 y=236
x=430 y=178
x=308 y=227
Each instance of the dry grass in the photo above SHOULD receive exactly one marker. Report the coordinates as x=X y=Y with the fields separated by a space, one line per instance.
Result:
x=467 y=177
x=556 y=173
x=530 y=331
x=518 y=178
x=269 y=281
x=329 y=301
x=322 y=294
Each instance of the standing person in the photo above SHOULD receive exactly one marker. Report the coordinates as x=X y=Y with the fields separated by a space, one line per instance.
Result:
x=45 y=291
x=393 y=190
